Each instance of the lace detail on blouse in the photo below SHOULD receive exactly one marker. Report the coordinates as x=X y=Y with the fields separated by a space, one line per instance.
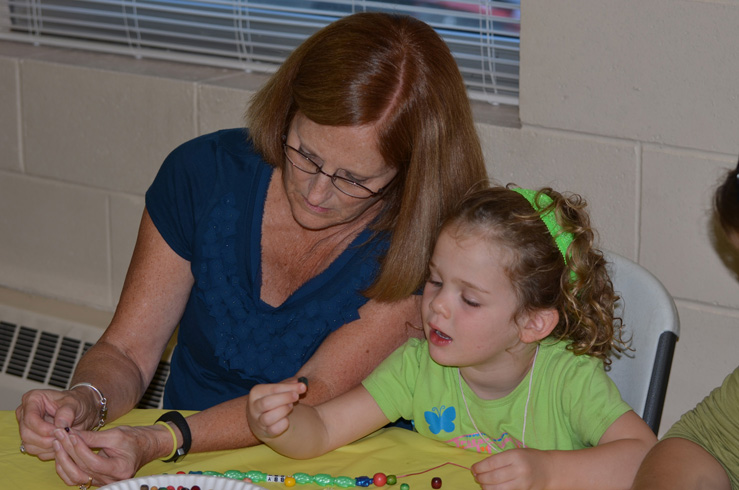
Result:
x=255 y=339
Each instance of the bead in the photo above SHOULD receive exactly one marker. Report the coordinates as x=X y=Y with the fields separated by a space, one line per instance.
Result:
x=234 y=474
x=364 y=481
x=436 y=482
x=303 y=380
x=302 y=478
x=256 y=476
x=405 y=486
x=323 y=479
x=290 y=481
x=392 y=479
x=195 y=487
x=344 y=482
x=379 y=479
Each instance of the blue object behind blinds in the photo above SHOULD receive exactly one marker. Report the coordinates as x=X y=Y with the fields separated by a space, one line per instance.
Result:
x=252 y=35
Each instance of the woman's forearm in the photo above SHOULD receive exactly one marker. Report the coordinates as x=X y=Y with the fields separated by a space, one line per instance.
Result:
x=114 y=375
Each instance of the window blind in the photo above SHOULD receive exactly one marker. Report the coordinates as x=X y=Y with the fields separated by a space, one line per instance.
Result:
x=251 y=35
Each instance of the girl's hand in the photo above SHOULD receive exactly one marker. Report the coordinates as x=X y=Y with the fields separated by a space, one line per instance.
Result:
x=269 y=406
x=122 y=451
x=515 y=469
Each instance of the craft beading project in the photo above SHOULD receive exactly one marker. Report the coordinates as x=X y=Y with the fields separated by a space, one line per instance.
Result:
x=323 y=479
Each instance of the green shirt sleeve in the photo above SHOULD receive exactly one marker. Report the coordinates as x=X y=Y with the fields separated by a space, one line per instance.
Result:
x=392 y=383
x=714 y=425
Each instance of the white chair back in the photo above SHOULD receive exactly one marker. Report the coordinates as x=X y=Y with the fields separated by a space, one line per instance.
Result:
x=651 y=322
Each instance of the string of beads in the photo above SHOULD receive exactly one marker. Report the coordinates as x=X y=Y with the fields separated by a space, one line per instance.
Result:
x=323 y=479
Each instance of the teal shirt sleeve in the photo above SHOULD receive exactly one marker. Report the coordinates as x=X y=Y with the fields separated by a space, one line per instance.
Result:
x=392 y=383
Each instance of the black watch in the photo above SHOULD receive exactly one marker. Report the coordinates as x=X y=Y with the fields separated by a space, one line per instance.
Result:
x=177 y=419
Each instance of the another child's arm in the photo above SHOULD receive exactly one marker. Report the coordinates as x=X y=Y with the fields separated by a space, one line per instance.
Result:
x=612 y=464
x=678 y=463
x=300 y=431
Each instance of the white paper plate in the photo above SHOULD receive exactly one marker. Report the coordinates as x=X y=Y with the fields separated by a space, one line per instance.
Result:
x=203 y=481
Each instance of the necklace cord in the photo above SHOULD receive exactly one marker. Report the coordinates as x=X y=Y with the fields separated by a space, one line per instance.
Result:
x=434 y=468
x=525 y=412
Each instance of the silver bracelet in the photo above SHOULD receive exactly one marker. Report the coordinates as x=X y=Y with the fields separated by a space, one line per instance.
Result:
x=103 y=404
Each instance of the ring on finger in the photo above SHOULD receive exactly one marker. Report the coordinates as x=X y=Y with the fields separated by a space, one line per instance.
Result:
x=23 y=448
x=88 y=485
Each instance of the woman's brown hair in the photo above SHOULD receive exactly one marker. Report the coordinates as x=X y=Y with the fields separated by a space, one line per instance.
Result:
x=537 y=270
x=396 y=73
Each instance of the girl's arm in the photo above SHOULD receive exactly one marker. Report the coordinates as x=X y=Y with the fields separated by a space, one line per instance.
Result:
x=300 y=431
x=612 y=464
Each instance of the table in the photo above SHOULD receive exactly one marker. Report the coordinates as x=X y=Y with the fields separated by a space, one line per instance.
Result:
x=390 y=451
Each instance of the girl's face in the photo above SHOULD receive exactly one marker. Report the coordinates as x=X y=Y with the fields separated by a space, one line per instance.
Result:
x=315 y=203
x=469 y=303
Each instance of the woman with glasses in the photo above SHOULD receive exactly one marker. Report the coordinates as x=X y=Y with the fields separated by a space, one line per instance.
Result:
x=293 y=248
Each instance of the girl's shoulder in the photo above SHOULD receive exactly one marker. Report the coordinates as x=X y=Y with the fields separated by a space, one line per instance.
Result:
x=557 y=357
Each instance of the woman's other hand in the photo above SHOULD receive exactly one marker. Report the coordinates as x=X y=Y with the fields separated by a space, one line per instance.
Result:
x=121 y=451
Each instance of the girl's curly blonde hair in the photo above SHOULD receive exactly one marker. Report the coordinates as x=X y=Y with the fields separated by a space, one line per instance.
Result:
x=537 y=270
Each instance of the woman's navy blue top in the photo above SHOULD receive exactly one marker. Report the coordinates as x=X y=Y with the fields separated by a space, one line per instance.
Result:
x=207 y=202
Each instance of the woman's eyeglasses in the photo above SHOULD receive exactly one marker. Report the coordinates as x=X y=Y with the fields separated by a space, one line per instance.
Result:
x=304 y=163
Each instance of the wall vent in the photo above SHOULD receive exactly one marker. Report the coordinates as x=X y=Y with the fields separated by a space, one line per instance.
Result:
x=38 y=350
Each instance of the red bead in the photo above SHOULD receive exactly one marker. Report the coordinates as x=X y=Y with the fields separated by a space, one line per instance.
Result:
x=436 y=482
x=379 y=479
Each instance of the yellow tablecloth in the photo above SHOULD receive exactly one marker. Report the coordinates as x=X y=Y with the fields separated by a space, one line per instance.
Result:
x=390 y=451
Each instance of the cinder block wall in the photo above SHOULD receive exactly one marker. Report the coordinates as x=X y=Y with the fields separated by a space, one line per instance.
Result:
x=632 y=104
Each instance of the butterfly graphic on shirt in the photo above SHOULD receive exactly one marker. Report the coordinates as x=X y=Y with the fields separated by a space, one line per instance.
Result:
x=440 y=419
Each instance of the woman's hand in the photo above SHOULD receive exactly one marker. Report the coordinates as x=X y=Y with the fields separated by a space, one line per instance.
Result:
x=269 y=407
x=41 y=412
x=122 y=451
x=515 y=469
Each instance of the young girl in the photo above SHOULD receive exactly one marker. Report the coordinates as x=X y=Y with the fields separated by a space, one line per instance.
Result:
x=518 y=316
